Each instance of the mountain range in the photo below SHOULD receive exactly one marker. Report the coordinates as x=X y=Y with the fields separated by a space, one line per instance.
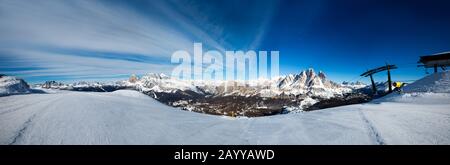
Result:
x=305 y=83
x=293 y=92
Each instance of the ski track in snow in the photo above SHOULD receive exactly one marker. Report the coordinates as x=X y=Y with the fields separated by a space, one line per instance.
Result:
x=373 y=131
x=21 y=132
x=129 y=117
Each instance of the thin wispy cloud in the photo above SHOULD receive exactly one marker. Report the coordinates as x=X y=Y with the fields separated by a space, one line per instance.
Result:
x=99 y=38
x=90 y=25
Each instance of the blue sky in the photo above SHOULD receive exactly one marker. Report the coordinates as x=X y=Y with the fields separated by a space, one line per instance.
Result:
x=108 y=40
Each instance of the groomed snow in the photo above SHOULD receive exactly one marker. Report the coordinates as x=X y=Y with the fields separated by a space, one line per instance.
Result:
x=129 y=117
x=420 y=115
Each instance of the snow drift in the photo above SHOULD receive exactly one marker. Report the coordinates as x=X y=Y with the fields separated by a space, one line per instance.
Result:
x=437 y=83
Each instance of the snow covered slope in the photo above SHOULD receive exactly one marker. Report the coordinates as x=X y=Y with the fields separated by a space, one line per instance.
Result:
x=436 y=82
x=129 y=117
x=12 y=85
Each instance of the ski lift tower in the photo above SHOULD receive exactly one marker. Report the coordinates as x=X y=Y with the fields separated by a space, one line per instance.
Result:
x=369 y=73
x=434 y=61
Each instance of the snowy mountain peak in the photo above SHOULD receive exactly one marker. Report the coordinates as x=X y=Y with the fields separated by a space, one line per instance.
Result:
x=322 y=75
x=310 y=73
x=156 y=76
x=13 y=85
